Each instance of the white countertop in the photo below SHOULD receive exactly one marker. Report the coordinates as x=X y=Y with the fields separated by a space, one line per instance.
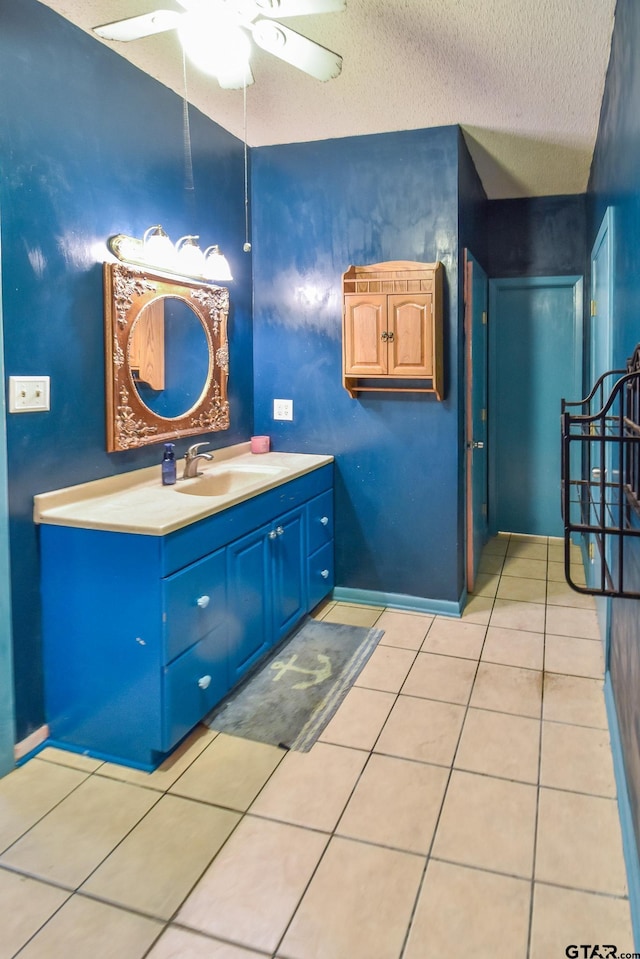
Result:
x=137 y=502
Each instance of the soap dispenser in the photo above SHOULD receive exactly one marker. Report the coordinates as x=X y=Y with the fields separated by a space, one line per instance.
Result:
x=168 y=465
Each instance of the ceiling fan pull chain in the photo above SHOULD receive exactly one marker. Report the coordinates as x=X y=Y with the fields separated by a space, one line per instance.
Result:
x=247 y=242
x=188 y=161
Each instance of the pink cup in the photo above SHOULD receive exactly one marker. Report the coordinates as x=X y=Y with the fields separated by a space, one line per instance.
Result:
x=260 y=444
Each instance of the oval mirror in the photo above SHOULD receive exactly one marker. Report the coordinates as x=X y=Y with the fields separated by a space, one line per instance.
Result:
x=169 y=356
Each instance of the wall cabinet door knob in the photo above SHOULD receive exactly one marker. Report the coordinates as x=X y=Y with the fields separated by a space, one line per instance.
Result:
x=324 y=520
x=203 y=601
x=272 y=534
x=279 y=530
x=324 y=573
x=204 y=682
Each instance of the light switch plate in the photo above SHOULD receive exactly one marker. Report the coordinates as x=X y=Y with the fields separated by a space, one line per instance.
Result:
x=28 y=394
x=283 y=409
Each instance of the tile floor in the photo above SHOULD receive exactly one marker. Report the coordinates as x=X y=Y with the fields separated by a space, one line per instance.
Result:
x=460 y=803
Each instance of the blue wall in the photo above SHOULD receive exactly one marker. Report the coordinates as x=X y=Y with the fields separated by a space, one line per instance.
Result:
x=615 y=181
x=317 y=209
x=89 y=147
x=537 y=236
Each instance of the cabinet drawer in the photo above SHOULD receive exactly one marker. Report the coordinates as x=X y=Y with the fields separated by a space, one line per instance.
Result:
x=320 y=520
x=321 y=574
x=193 y=684
x=194 y=603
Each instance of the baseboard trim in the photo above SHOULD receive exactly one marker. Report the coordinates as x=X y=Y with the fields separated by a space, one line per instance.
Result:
x=27 y=746
x=413 y=604
x=629 y=845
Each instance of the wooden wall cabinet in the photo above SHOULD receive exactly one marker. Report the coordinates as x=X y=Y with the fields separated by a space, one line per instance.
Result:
x=392 y=328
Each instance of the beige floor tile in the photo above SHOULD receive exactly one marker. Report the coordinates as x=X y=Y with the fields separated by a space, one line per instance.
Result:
x=488 y=823
x=577 y=758
x=561 y=594
x=155 y=867
x=84 y=928
x=422 y=729
x=182 y=944
x=525 y=568
x=321 y=610
x=396 y=803
x=337 y=918
x=522 y=590
x=448 y=678
x=526 y=549
x=491 y=563
x=574 y=699
x=359 y=719
x=26 y=905
x=386 y=669
x=573 y=832
x=569 y=621
x=477 y=610
x=563 y=916
x=486 y=584
x=508 y=689
x=574 y=657
x=253 y=886
x=498 y=744
x=352 y=615
x=468 y=912
x=68 y=843
x=452 y=637
x=311 y=789
x=30 y=792
x=511 y=614
x=556 y=573
x=514 y=647
x=230 y=772
x=171 y=769
x=497 y=545
x=65 y=757
x=407 y=630
x=527 y=538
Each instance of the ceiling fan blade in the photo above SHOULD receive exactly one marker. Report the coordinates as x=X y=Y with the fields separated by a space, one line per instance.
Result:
x=135 y=28
x=237 y=79
x=298 y=8
x=297 y=50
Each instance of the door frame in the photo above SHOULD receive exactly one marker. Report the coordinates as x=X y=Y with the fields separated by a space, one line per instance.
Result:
x=574 y=282
x=474 y=525
x=7 y=705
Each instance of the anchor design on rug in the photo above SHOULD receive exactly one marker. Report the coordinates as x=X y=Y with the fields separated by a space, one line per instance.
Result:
x=319 y=675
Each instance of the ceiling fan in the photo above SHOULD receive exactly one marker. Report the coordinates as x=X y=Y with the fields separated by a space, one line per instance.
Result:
x=215 y=35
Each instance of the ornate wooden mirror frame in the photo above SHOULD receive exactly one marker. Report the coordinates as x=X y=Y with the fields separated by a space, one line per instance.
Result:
x=130 y=422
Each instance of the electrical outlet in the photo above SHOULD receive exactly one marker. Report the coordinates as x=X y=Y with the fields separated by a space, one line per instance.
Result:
x=28 y=394
x=283 y=409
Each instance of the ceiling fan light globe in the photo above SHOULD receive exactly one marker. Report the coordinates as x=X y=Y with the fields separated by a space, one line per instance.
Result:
x=215 y=45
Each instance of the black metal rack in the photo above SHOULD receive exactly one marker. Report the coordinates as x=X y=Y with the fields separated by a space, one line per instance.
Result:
x=601 y=478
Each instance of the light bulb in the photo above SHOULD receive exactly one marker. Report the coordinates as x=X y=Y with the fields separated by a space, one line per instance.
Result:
x=216 y=265
x=189 y=257
x=158 y=248
x=215 y=44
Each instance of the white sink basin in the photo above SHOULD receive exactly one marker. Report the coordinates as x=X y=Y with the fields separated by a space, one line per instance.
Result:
x=227 y=480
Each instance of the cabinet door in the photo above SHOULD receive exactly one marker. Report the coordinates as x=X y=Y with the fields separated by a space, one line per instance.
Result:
x=288 y=572
x=411 y=345
x=365 y=334
x=249 y=600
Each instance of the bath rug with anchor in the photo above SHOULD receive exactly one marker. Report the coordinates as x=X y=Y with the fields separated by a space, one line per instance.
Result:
x=290 y=699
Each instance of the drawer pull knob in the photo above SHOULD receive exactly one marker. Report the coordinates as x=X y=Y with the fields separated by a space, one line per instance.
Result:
x=324 y=573
x=204 y=682
x=203 y=601
x=325 y=520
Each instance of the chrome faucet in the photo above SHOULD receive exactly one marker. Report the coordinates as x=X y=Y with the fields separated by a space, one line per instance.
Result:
x=191 y=458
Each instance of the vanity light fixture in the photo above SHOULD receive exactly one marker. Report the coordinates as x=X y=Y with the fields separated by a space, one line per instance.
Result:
x=186 y=259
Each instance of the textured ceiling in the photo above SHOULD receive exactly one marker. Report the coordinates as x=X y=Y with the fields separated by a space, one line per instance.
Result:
x=524 y=79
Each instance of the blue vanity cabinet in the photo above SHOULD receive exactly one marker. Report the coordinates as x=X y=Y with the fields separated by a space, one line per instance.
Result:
x=266 y=581
x=145 y=634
